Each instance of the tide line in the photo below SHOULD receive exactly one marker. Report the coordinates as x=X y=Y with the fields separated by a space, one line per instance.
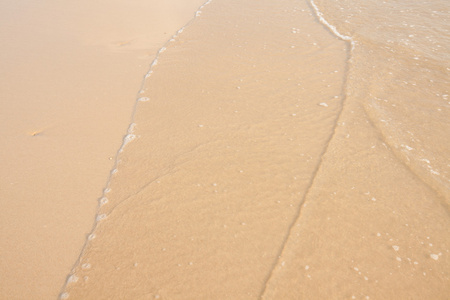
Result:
x=332 y=28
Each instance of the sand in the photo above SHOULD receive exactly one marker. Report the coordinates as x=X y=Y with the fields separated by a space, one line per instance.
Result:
x=70 y=73
x=275 y=150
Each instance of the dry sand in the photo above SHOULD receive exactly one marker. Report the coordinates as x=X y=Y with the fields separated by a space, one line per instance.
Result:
x=70 y=72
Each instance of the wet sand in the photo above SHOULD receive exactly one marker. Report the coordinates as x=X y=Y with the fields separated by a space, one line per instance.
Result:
x=226 y=139
x=275 y=150
x=263 y=162
x=70 y=73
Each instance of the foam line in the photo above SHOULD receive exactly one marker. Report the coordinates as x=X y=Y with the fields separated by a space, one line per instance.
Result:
x=129 y=137
x=332 y=28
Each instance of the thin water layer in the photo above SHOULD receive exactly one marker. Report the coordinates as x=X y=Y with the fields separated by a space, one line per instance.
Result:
x=401 y=66
x=281 y=150
x=229 y=129
x=374 y=224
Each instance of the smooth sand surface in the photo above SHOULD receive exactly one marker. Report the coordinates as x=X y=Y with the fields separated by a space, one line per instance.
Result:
x=69 y=76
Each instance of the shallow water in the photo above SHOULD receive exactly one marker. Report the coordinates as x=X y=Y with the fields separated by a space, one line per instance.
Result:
x=377 y=214
x=271 y=158
x=400 y=74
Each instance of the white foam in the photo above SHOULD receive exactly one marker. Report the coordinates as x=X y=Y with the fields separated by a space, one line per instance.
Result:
x=319 y=14
x=148 y=74
x=434 y=256
x=131 y=127
x=100 y=217
x=143 y=99
x=407 y=147
x=129 y=137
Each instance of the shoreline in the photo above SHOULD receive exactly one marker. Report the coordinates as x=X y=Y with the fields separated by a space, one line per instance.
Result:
x=246 y=176
x=215 y=191
x=272 y=150
x=128 y=137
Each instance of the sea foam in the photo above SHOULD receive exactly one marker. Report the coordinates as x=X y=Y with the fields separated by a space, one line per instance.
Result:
x=333 y=28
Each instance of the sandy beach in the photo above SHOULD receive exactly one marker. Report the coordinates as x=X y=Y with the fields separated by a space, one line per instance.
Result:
x=225 y=150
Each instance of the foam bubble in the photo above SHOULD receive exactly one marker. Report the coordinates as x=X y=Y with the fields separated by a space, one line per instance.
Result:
x=407 y=147
x=148 y=74
x=434 y=256
x=103 y=201
x=131 y=127
x=64 y=295
x=101 y=217
x=128 y=138
x=143 y=99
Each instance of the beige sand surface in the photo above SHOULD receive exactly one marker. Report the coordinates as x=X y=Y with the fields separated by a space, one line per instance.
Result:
x=69 y=75
x=256 y=169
